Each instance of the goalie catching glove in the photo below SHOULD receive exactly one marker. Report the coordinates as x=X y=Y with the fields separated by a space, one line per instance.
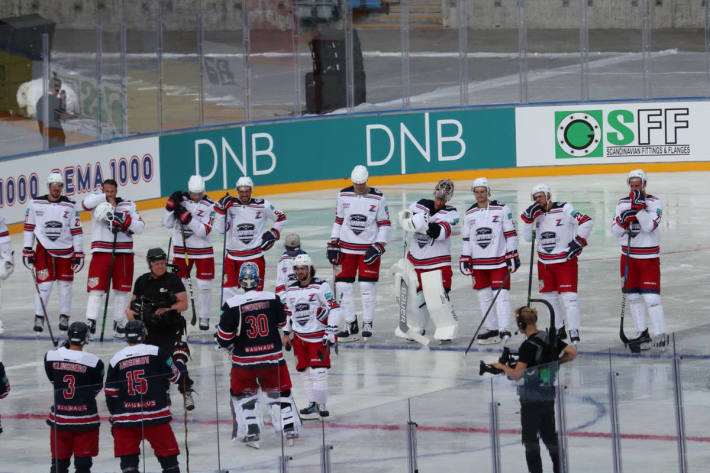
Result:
x=373 y=252
x=575 y=247
x=269 y=238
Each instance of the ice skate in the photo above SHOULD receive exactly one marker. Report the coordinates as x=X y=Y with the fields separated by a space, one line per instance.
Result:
x=366 y=331
x=39 y=324
x=350 y=334
x=63 y=322
x=323 y=411
x=252 y=440
x=92 y=325
x=118 y=330
x=504 y=335
x=574 y=337
x=310 y=412
x=204 y=324
x=642 y=341
x=488 y=337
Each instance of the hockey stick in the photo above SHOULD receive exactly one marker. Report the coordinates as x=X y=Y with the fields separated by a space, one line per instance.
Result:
x=224 y=262
x=55 y=342
x=108 y=286
x=473 y=339
x=184 y=421
x=193 y=321
x=622 y=335
x=532 y=260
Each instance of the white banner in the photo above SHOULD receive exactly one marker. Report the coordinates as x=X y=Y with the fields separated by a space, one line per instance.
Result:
x=612 y=133
x=135 y=165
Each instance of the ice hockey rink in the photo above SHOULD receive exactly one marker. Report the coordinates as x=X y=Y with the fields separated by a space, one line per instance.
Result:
x=375 y=388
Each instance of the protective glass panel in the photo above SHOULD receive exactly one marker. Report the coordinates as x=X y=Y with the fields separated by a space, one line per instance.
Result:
x=112 y=81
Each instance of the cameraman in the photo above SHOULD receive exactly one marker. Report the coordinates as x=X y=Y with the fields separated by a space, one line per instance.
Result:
x=158 y=299
x=537 y=366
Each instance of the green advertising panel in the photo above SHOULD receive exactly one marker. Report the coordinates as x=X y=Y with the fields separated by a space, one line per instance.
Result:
x=313 y=150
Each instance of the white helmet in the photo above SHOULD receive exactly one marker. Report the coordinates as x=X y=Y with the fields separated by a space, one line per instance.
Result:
x=359 y=174
x=302 y=260
x=481 y=182
x=103 y=212
x=245 y=181
x=444 y=190
x=196 y=184
x=54 y=178
x=637 y=173
x=537 y=188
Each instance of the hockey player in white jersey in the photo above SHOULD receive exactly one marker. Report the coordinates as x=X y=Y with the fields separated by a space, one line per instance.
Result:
x=191 y=216
x=357 y=240
x=430 y=224
x=115 y=221
x=312 y=319
x=558 y=247
x=284 y=268
x=7 y=258
x=490 y=252
x=637 y=221
x=53 y=219
x=245 y=220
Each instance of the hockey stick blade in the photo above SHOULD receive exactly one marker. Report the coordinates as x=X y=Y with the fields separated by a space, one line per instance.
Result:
x=475 y=334
x=55 y=342
x=622 y=335
x=412 y=335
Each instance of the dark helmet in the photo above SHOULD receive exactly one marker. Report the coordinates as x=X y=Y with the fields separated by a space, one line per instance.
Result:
x=78 y=333
x=155 y=254
x=135 y=330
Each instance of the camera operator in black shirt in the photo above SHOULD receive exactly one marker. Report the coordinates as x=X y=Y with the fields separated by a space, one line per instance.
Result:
x=537 y=366
x=158 y=299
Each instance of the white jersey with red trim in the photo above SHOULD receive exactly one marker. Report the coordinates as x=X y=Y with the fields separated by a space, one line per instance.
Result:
x=5 y=243
x=425 y=252
x=284 y=272
x=197 y=231
x=101 y=234
x=360 y=220
x=489 y=235
x=56 y=225
x=310 y=309
x=645 y=233
x=246 y=223
x=555 y=229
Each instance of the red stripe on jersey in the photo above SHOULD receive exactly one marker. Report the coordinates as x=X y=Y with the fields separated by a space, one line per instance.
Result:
x=338 y=220
x=4 y=234
x=447 y=228
x=66 y=420
x=76 y=231
x=104 y=245
x=111 y=391
x=247 y=360
x=525 y=219
x=354 y=246
x=547 y=257
x=510 y=234
x=281 y=217
x=428 y=261
x=252 y=252
x=486 y=261
x=224 y=335
x=649 y=250
x=193 y=251
x=29 y=227
x=312 y=336
x=581 y=218
x=165 y=412
x=383 y=223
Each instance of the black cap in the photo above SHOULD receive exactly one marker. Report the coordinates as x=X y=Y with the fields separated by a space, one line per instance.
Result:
x=155 y=254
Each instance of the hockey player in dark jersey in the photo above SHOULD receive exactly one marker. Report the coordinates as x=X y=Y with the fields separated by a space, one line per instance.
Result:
x=137 y=397
x=4 y=387
x=158 y=300
x=249 y=328
x=78 y=377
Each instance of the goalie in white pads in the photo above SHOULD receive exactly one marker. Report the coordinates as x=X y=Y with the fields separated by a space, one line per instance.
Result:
x=639 y=216
x=53 y=220
x=115 y=222
x=431 y=224
x=7 y=257
x=313 y=315
x=249 y=329
x=357 y=240
x=191 y=216
x=490 y=250
x=557 y=250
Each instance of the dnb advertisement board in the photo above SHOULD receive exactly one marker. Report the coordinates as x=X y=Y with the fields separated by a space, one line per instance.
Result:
x=329 y=148
x=612 y=133
x=134 y=165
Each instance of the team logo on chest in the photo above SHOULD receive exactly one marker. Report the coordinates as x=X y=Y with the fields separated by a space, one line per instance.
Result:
x=357 y=223
x=245 y=232
x=53 y=229
x=302 y=313
x=484 y=236
x=548 y=241
x=422 y=240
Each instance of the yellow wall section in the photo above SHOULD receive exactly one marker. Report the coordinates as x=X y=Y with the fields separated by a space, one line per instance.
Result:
x=435 y=176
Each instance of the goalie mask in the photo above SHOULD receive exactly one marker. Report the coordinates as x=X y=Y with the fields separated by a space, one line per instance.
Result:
x=444 y=190
x=104 y=212
x=249 y=276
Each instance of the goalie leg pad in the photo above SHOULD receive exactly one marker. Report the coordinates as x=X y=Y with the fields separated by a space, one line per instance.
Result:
x=347 y=300
x=438 y=305
x=637 y=307
x=503 y=310
x=420 y=312
x=553 y=298
x=413 y=316
x=655 y=312
x=284 y=414
x=485 y=297
x=368 y=295
x=94 y=304
x=120 y=301
x=65 y=296
x=247 y=410
x=574 y=317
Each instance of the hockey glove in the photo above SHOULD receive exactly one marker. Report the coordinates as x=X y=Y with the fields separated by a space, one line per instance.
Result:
x=373 y=252
x=182 y=214
x=434 y=230
x=286 y=340
x=321 y=313
x=466 y=265
x=626 y=218
x=575 y=247
x=531 y=213
x=331 y=335
x=28 y=257
x=333 y=253
x=268 y=239
x=638 y=201
x=174 y=200
x=121 y=221
x=513 y=261
x=77 y=261
x=225 y=202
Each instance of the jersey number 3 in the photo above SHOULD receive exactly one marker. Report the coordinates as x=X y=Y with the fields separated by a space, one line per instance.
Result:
x=258 y=325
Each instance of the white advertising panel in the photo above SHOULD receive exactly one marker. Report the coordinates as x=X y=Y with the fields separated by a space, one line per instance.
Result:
x=135 y=165
x=613 y=133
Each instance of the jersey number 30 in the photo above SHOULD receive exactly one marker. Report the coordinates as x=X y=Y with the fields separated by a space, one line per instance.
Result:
x=258 y=325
